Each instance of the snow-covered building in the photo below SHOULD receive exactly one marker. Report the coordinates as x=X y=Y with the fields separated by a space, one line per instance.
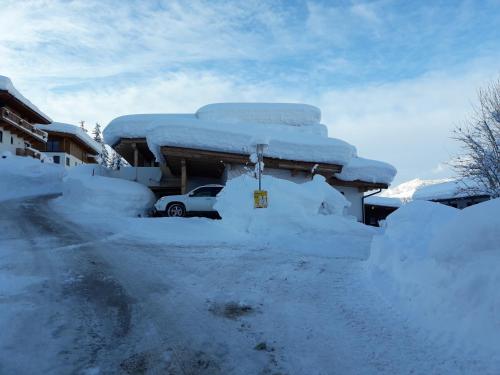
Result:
x=69 y=145
x=454 y=193
x=173 y=153
x=18 y=134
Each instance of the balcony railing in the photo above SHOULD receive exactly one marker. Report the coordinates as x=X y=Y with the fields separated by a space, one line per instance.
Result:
x=11 y=118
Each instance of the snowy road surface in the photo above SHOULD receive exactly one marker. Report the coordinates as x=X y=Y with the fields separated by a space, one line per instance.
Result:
x=74 y=301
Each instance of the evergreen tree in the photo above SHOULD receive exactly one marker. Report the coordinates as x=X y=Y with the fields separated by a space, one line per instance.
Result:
x=105 y=162
x=97 y=133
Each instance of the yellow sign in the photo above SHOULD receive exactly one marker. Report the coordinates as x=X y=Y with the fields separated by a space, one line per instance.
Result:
x=260 y=199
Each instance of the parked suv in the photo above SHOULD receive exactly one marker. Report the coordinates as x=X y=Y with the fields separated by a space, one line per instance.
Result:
x=198 y=201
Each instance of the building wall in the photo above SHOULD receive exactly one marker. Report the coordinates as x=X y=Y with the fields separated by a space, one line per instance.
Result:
x=353 y=195
x=6 y=144
x=73 y=161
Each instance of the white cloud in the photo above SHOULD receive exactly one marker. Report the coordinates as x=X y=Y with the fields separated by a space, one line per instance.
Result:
x=407 y=123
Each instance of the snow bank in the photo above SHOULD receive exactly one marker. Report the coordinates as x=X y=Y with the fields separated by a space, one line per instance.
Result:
x=298 y=215
x=22 y=177
x=367 y=170
x=76 y=131
x=443 y=266
x=7 y=85
x=97 y=194
x=263 y=113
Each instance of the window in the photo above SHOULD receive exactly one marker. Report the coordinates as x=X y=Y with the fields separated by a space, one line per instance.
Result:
x=202 y=192
x=208 y=191
x=57 y=159
x=67 y=162
x=1 y=136
x=53 y=145
x=11 y=140
x=215 y=190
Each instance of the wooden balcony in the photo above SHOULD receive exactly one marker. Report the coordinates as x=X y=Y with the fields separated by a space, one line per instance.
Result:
x=12 y=119
x=28 y=152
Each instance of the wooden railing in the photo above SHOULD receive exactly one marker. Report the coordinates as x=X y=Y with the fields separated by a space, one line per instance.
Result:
x=10 y=117
x=28 y=152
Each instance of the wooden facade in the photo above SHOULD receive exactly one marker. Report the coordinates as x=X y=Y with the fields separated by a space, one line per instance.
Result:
x=70 y=144
x=18 y=119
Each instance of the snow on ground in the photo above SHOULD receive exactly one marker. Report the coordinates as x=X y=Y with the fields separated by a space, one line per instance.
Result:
x=277 y=290
x=72 y=130
x=22 y=177
x=442 y=267
x=7 y=85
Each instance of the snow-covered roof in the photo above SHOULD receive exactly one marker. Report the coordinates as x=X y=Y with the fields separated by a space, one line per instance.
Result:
x=7 y=85
x=264 y=113
x=73 y=130
x=285 y=141
x=367 y=170
x=450 y=189
x=377 y=200
x=291 y=131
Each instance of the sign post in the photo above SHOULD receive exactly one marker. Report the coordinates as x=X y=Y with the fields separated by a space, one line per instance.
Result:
x=260 y=196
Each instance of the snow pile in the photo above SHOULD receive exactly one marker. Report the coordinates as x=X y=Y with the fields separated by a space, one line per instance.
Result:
x=97 y=194
x=22 y=177
x=367 y=170
x=7 y=85
x=443 y=265
x=262 y=113
x=76 y=131
x=297 y=215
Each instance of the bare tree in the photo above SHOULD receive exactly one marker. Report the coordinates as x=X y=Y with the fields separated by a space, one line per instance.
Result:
x=479 y=165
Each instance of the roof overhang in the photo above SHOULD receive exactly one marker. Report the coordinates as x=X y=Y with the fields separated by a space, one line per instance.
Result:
x=361 y=185
x=25 y=111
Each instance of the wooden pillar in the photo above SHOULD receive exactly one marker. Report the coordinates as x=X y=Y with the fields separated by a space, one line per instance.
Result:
x=183 y=177
x=136 y=155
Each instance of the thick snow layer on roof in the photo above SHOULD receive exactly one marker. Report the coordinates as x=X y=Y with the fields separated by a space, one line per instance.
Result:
x=446 y=190
x=7 y=85
x=377 y=200
x=367 y=170
x=301 y=143
x=72 y=130
x=265 y=113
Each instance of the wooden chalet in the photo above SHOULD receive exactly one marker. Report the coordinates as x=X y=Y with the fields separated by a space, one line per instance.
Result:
x=18 y=134
x=69 y=145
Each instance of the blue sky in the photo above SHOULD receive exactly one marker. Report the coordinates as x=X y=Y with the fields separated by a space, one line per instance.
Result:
x=391 y=77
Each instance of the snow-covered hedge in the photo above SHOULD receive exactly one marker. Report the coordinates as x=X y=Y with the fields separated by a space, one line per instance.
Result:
x=96 y=194
x=22 y=177
x=443 y=266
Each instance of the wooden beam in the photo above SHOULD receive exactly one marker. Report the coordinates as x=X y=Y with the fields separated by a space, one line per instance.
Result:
x=227 y=157
x=183 y=177
x=361 y=185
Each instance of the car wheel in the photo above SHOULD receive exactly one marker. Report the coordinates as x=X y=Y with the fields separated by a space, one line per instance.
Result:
x=176 y=210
